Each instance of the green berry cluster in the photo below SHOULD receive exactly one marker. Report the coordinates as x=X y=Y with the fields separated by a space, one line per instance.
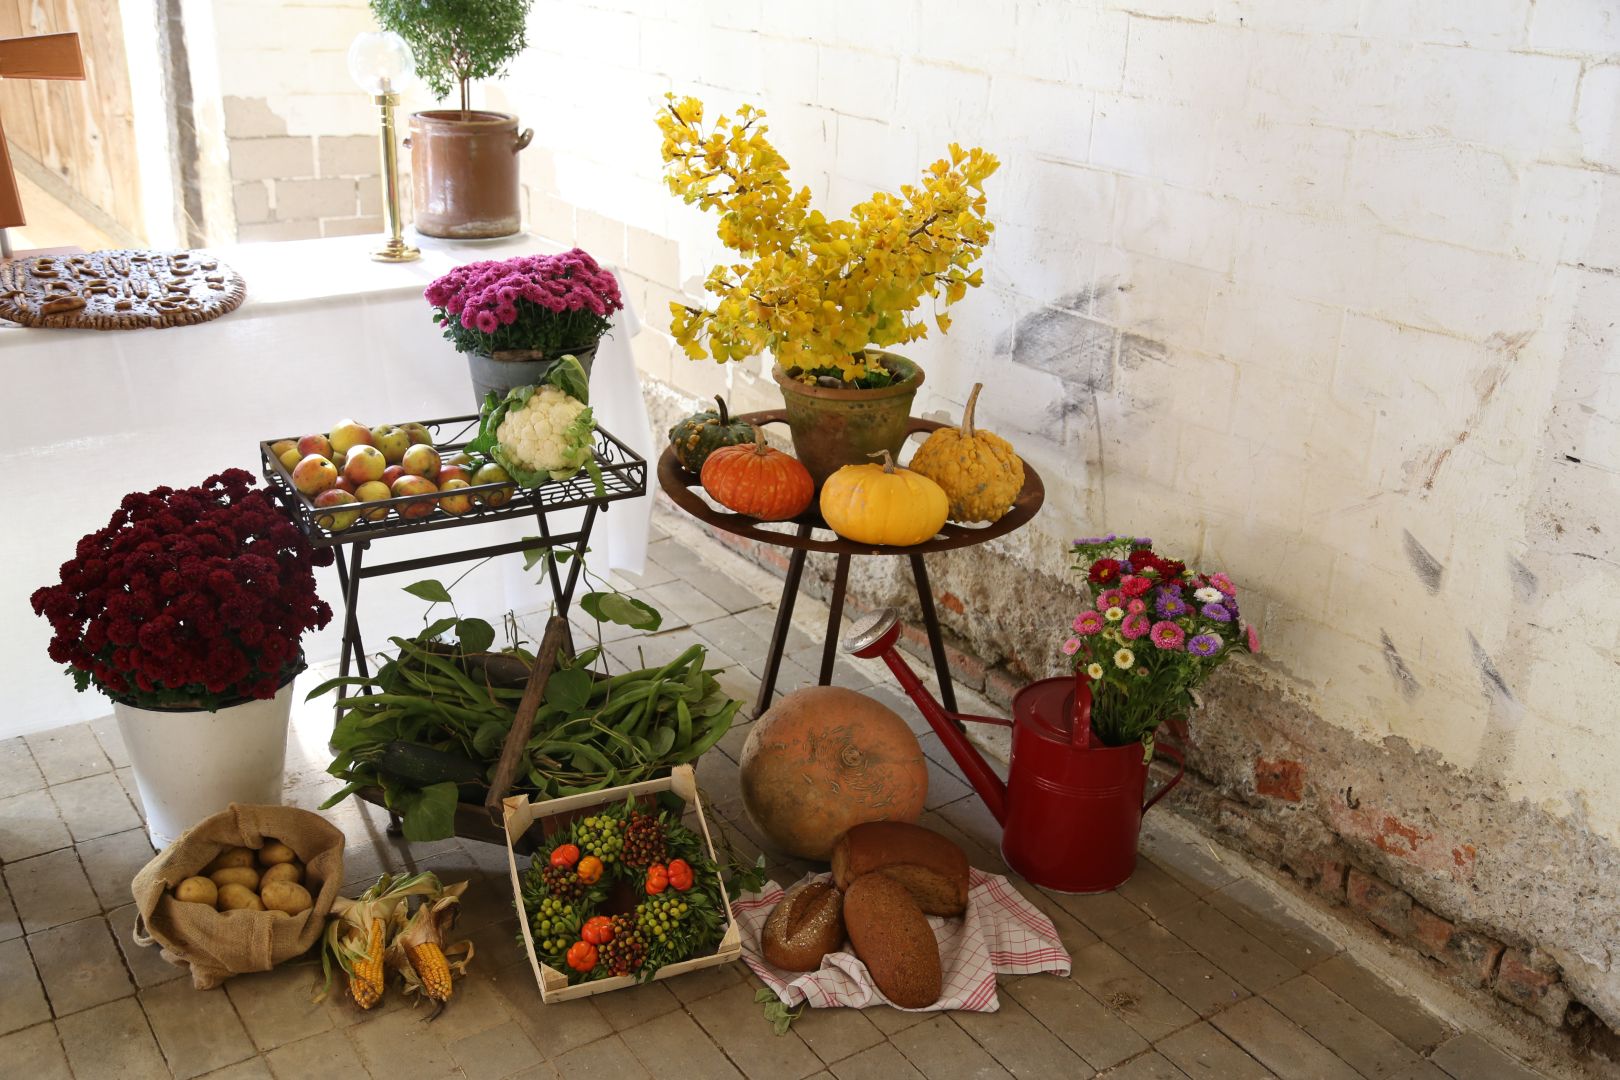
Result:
x=556 y=925
x=658 y=917
x=601 y=835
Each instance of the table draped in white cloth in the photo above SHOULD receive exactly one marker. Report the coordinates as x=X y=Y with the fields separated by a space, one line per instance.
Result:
x=325 y=334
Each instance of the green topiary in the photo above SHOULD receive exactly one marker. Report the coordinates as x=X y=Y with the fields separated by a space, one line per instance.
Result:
x=456 y=41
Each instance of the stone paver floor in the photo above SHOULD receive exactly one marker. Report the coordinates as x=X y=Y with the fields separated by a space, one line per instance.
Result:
x=1189 y=970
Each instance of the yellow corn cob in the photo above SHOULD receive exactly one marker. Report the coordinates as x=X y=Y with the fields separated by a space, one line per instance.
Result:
x=366 y=980
x=427 y=960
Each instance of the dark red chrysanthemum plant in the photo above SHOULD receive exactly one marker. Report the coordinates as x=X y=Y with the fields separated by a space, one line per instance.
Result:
x=189 y=598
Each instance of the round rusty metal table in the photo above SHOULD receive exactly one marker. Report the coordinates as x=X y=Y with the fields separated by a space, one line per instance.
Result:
x=684 y=490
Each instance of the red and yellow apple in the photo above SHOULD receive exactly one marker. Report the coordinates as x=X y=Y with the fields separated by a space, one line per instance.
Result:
x=335 y=522
x=345 y=484
x=291 y=458
x=280 y=447
x=364 y=463
x=392 y=473
x=314 y=475
x=315 y=444
x=374 y=491
x=448 y=473
x=419 y=435
x=421 y=460
x=392 y=441
x=414 y=485
x=350 y=433
x=454 y=502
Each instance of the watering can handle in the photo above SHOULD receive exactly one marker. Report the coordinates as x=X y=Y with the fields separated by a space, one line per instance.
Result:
x=1174 y=753
x=1080 y=731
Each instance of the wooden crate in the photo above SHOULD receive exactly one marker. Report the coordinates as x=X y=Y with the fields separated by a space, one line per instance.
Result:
x=522 y=814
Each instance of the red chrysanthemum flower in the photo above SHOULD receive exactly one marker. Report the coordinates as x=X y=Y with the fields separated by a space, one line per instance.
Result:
x=1104 y=571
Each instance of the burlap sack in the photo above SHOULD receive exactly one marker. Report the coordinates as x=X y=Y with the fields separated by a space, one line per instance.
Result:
x=216 y=944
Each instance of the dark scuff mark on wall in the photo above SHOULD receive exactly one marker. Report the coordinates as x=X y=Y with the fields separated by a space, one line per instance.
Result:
x=1525 y=583
x=1428 y=568
x=1397 y=668
x=1494 y=683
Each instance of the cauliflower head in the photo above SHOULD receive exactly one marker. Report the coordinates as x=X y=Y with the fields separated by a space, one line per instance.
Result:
x=547 y=435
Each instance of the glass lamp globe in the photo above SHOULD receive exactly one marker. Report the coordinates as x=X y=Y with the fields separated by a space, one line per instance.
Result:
x=379 y=63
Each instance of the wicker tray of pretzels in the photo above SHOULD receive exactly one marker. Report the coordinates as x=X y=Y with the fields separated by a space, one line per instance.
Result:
x=118 y=290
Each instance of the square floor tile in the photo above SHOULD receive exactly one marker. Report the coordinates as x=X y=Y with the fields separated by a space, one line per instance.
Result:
x=275 y=1006
x=95 y=806
x=35 y=1053
x=80 y=965
x=50 y=889
x=30 y=825
x=22 y=998
x=198 y=1030
x=112 y=1040
x=111 y=863
x=328 y=1054
x=69 y=753
x=145 y=962
x=18 y=773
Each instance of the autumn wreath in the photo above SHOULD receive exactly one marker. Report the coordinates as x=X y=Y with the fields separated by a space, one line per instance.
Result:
x=655 y=870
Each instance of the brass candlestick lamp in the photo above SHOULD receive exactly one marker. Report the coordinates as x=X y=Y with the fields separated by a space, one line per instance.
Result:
x=379 y=64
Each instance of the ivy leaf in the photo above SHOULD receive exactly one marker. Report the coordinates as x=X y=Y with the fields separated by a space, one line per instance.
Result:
x=616 y=607
x=474 y=635
x=429 y=589
x=569 y=689
x=429 y=813
x=434 y=629
x=489 y=738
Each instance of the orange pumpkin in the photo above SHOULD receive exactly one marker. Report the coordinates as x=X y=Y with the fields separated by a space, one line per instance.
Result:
x=823 y=759
x=756 y=480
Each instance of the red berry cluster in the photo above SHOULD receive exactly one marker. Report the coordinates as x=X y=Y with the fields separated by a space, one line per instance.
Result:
x=189 y=596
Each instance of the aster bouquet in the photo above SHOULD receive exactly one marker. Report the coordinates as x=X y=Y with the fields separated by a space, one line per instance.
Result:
x=189 y=598
x=1154 y=632
x=543 y=304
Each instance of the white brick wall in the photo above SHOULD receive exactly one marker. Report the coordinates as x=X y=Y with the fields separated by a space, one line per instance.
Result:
x=1336 y=272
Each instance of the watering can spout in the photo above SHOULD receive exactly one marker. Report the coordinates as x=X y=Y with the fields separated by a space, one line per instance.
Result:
x=876 y=636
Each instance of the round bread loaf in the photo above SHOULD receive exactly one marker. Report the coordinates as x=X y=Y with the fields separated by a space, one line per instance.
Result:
x=932 y=867
x=805 y=925
x=892 y=937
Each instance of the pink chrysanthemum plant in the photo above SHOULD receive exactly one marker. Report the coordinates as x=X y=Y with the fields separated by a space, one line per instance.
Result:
x=1153 y=632
x=546 y=305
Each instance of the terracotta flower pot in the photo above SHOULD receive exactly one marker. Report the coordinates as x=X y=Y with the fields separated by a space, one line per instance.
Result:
x=834 y=427
x=464 y=172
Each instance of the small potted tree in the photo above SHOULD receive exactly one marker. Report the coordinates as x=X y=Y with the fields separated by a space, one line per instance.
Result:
x=464 y=167
x=186 y=610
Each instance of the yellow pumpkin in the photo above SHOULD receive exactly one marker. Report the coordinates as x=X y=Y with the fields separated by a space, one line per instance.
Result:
x=883 y=504
x=979 y=471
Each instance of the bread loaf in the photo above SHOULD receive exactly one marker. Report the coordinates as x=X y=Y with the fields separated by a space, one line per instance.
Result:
x=805 y=925
x=892 y=937
x=932 y=868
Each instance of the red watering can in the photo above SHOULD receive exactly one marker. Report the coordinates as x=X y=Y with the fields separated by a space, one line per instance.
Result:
x=1071 y=808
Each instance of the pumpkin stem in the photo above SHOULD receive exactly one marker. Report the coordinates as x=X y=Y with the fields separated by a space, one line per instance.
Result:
x=761 y=448
x=725 y=414
x=967 y=411
x=888 y=460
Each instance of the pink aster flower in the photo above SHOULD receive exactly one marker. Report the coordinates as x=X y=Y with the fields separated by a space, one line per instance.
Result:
x=1071 y=646
x=1223 y=583
x=1110 y=598
x=1088 y=623
x=1136 y=607
x=1134 y=626
x=1167 y=635
x=1254 y=638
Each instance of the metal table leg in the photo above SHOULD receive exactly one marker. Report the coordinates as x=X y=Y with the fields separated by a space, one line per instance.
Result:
x=353 y=648
x=784 y=621
x=936 y=644
x=835 y=616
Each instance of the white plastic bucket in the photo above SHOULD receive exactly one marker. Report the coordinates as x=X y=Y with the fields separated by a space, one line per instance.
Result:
x=189 y=764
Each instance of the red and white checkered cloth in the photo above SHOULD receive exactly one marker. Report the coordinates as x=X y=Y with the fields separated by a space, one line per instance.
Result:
x=1001 y=933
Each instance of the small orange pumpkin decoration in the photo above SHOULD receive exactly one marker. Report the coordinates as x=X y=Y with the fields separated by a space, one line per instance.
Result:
x=753 y=479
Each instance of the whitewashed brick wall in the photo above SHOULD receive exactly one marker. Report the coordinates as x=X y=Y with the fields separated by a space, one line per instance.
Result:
x=1318 y=291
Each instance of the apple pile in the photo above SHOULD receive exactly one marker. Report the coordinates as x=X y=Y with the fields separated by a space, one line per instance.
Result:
x=353 y=466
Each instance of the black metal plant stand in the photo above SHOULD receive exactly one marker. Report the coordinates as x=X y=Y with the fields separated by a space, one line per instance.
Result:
x=624 y=476
x=683 y=489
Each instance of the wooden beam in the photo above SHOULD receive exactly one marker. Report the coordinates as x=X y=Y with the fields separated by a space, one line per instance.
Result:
x=50 y=56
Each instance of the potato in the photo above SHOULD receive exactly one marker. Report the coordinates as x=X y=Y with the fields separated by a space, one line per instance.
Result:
x=236 y=856
x=275 y=852
x=234 y=897
x=197 y=890
x=285 y=871
x=236 y=875
x=286 y=896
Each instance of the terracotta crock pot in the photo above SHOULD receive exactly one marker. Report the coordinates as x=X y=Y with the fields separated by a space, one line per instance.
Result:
x=464 y=170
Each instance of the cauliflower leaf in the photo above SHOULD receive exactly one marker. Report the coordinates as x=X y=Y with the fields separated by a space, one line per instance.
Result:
x=542 y=432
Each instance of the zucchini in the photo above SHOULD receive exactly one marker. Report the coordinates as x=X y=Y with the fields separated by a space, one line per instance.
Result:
x=421 y=766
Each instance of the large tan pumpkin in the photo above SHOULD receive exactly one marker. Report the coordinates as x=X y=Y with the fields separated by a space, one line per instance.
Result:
x=825 y=758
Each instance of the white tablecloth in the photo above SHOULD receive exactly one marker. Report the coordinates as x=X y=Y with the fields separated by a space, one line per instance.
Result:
x=325 y=333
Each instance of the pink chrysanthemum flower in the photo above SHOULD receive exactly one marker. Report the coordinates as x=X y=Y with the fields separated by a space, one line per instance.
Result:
x=1167 y=635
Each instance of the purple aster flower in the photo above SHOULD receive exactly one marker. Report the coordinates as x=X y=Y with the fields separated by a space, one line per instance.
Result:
x=1169 y=605
x=1087 y=540
x=1216 y=612
x=1143 y=541
x=1134 y=626
x=1205 y=645
x=1168 y=635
